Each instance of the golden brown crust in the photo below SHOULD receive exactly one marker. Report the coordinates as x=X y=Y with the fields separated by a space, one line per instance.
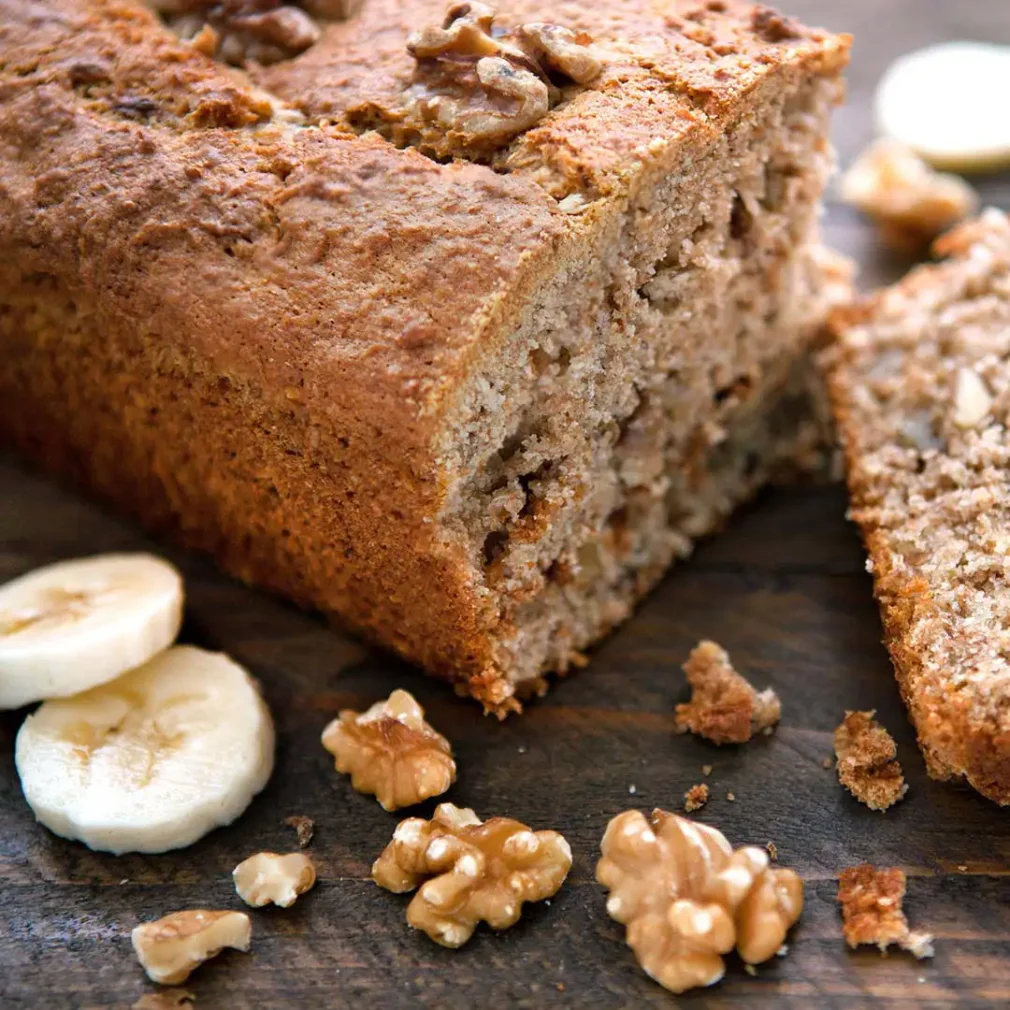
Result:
x=246 y=329
x=927 y=492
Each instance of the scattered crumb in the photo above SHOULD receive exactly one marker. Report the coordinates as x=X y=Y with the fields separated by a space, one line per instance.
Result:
x=908 y=201
x=706 y=769
x=867 y=765
x=165 y=999
x=963 y=867
x=827 y=762
x=767 y=731
x=560 y=986
x=921 y=979
x=632 y=790
x=731 y=797
x=724 y=707
x=773 y=851
x=782 y=951
x=871 y=910
x=304 y=827
x=750 y=969
x=125 y=880
x=696 y=797
x=521 y=749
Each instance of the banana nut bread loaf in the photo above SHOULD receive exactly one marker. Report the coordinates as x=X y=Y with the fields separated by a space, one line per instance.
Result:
x=459 y=330
x=921 y=391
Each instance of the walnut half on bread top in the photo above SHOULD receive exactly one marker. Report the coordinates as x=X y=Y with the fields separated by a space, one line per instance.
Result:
x=472 y=408
x=921 y=391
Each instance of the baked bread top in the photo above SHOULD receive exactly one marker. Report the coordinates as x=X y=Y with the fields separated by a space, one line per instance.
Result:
x=352 y=274
x=921 y=392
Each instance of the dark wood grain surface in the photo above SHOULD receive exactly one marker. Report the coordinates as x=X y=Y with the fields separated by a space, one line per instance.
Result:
x=783 y=589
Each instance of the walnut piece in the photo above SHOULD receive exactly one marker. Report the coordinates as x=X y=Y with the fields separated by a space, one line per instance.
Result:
x=910 y=202
x=268 y=878
x=696 y=797
x=687 y=898
x=392 y=752
x=867 y=764
x=871 y=910
x=472 y=871
x=241 y=31
x=724 y=708
x=304 y=827
x=476 y=87
x=171 y=947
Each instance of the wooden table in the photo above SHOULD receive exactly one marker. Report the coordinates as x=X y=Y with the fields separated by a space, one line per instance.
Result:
x=783 y=589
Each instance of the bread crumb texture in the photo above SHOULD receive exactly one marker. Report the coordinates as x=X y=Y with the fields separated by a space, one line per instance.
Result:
x=871 y=904
x=867 y=761
x=724 y=707
x=696 y=797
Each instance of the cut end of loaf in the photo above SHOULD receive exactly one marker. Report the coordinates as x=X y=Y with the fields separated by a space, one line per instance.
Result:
x=647 y=394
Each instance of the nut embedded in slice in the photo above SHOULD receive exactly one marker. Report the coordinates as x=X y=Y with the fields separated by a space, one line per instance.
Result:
x=687 y=898
x=724 y=708
x=268 y=878
x=867 y=761
x=171 y=947
x=470 y=871
x=871 y=910
x=392 y=752
x=910 y=202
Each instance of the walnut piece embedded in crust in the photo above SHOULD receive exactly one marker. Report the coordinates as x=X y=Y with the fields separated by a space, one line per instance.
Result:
x=475 y=88
x=687 y=898
x=392 y=752
x=871 y=910
x=268 y=878
x=724 y=708
x=867 y=764
x=696 y=797
x=909 y=201
x=171 y=947
x=470 y=871
x=241 y=31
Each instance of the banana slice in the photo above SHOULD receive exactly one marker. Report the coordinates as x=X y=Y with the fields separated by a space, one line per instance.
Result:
x=947 y=103
x=69 y=626
x=153 y=760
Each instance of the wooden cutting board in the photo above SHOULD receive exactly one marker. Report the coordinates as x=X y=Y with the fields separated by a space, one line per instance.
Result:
x=784 y=589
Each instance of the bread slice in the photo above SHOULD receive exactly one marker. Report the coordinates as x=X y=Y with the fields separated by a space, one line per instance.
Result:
x=468 y=400
x=921 y=391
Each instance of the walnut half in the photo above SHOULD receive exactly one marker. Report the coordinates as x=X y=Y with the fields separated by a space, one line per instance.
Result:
x=475 y=86
x=687 y=898
x=171 y=947
x=392 y=752
x=470 y=871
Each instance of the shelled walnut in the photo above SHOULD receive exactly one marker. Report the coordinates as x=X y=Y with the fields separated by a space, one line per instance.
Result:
x=392 y=752
x=687 y=898
x=910 y=202
x=241 y=31
x=475 y=87
x=724 y=707
x=867 y=761
x=269 y=878
x=871 y=900
x=470 y=871
x=172 y=947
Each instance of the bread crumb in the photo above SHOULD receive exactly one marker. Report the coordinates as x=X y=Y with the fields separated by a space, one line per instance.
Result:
x=632 y=790
x=867 y=764
x=773 y=852
x=827 y=762
x=963 y=867
x=560 y=986
x=871 y=910
x=750 y=969
x=724 y=707
x=304 y=827
x=731 y=797
x=706 y=769
x=696 y=797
